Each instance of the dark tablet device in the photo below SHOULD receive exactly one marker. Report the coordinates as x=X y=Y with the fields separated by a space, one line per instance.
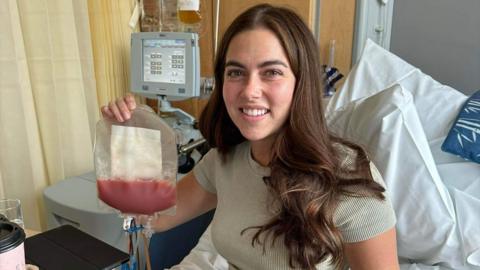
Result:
x=67 y=247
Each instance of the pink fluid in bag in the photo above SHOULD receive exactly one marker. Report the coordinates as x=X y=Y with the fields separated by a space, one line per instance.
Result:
x=137 y=197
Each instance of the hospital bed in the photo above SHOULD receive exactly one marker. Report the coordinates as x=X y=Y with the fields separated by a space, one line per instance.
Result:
x=402 y=116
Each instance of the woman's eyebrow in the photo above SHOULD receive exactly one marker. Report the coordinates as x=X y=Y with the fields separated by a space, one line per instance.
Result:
x=272 y=63
x=234 y=63
x=261 y=65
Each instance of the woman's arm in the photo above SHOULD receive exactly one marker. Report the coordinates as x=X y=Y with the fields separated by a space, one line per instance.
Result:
x=192 y=200
x=378 y=253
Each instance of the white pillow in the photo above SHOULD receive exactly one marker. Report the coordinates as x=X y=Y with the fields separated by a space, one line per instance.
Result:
x=388 y=126
x=378 y=69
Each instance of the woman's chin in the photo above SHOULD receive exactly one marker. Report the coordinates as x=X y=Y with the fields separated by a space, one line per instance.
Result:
x=256 y=136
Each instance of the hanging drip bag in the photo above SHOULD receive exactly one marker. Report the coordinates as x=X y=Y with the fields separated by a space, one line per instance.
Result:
x=136 y=164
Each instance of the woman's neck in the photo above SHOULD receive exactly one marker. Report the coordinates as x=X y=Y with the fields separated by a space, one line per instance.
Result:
x=262 y=152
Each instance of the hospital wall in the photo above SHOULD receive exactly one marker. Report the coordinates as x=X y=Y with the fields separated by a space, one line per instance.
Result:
x=440 y=37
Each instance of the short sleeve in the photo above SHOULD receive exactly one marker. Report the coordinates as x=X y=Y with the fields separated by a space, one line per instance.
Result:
x=362 y=218
x=204 y=171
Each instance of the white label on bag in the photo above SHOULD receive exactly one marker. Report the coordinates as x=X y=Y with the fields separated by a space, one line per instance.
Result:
x=188 y=5
x=136 y=153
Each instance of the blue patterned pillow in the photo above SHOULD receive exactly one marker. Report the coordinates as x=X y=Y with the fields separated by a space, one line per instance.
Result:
x=464 y=136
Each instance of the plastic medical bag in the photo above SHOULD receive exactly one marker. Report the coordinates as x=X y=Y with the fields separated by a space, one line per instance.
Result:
x=136 y=164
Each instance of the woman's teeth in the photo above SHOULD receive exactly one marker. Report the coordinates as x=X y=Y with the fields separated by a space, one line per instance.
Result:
x=254 y=112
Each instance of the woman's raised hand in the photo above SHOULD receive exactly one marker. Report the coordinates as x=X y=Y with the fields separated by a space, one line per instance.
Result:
x=120 y=109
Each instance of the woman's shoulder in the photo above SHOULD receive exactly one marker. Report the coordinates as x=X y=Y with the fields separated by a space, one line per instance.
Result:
x=362 y=216
x=347 y=156
x=349 y=163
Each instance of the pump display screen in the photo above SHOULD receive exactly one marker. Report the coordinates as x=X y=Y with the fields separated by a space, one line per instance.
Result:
x=165 y=64
x=164 y=60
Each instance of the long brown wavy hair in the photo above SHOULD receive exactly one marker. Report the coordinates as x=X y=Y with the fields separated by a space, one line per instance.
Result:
x=307 y=177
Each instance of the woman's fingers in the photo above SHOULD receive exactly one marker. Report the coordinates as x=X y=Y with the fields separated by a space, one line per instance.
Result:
x=116 y=112
x=106 y=113
x=130 y=100
x=123 y=108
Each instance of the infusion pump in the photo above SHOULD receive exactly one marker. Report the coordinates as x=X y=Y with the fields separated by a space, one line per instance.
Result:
x=165 y=64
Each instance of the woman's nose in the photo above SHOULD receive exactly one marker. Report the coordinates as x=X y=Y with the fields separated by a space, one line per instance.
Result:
x=253 y=87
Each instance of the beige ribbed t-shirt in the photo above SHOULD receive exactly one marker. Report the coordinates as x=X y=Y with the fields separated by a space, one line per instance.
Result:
x=243 y=202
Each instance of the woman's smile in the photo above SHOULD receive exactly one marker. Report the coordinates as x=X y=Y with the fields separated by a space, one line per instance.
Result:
x=258 y=85
x=254 y=114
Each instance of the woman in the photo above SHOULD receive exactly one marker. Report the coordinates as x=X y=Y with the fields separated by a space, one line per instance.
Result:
x=288 y=194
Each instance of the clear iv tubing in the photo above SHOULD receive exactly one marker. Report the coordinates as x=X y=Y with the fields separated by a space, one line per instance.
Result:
x=133 y=231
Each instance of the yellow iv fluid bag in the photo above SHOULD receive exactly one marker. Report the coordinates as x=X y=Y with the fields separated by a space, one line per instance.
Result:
x=188 y=11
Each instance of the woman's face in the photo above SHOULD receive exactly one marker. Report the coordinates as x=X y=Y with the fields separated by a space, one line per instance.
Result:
x=258 y=84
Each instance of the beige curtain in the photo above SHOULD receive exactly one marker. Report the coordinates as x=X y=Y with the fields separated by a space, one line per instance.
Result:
x=110 y=30
x=48 y=104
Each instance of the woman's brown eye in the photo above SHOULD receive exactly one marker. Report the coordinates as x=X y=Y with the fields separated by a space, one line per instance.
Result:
x=234 y=73
x=273 y=72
